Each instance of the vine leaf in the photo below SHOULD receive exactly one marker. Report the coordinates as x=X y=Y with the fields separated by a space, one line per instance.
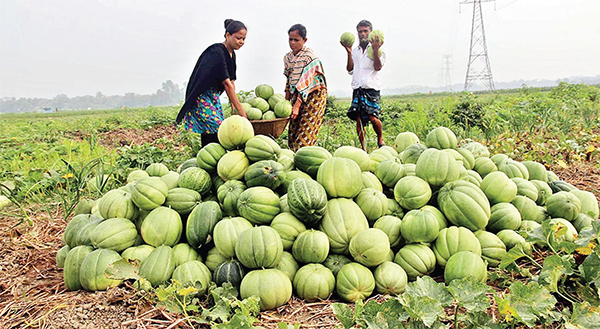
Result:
x=343 y=313
x=590 y=270
x=584 y=316
x=553 y=270
x=526 y=303
x=426 y=286
x=470 y=294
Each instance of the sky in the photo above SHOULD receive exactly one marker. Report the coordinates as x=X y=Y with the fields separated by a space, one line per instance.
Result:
x=52 y=47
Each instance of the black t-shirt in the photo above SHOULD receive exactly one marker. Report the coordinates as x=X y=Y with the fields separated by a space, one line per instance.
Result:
x=213 y=67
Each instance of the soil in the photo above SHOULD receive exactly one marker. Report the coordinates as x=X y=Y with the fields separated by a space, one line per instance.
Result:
x=32 y=292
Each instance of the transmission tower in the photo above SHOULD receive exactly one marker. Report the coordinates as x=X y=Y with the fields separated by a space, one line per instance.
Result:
x=479 y=68
x=446 y=64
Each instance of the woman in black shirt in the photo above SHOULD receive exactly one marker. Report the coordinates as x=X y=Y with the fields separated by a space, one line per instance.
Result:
x=214 y=73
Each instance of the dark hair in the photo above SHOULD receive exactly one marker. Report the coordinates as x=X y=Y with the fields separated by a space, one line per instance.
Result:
x=366 y=23
x=300 y=28
x=232 y=26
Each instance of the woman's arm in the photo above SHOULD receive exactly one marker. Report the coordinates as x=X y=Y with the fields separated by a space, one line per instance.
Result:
x=233 y=99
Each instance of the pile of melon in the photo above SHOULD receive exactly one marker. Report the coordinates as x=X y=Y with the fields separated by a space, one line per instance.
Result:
x=314 y=223
x=267 y=105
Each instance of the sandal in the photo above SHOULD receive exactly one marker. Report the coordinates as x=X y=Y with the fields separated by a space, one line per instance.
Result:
x=380 y=145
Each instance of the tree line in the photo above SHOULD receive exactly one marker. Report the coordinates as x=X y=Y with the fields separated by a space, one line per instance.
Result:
x=169 y=94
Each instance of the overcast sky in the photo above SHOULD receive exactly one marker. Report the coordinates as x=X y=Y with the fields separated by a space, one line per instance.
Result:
x=51 y=47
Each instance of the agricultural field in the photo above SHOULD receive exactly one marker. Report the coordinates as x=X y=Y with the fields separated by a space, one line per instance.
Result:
x=53 y=164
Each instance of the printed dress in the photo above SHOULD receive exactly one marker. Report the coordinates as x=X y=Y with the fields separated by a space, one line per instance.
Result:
x=306 y=83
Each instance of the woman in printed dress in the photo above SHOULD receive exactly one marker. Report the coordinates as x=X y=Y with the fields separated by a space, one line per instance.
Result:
x=214 y=73
x=305 y=88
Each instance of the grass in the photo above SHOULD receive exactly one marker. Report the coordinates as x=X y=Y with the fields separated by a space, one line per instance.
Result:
x=546 y=125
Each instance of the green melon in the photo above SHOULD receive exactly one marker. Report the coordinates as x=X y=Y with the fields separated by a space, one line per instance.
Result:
x=373 y=203
x=115 y=234
x=183 y=252
x=441 y=138
x=228 y=195
x=288 y=227
x=157 y=169
x=354 y=282
x=335 y=262
x=452 y=240
x=307 y=200
x=412 y=153
x=209 y=156
x=465 y=264
x=261 y=147
x=117 y=203
x=347 y=39
x=338 y=177
x=309 y=158
x=369 y=247
x=563 y=205
x=371 y=181
x=283 y=109
x=159 y=266
x=72 y=266
x=271 y=286
x=390 y=278
x=405 y=139
x=343 y=219
x=358 y=155
x=230 y=271
x=311 y=246
x=498 y=187
x=484 y=166
x=504 y=216
x=267 y=173
x=201 y=223
x=233 y=165
x=259 y=247
x=226 y=232
x=162 y=226
x=288 y=265
x=235 y=131
x=526 y=188
x=191 y=273
x=259 y=205
x=91 y=272
x=478 y=149
x=464 y=204
x=196 y=179
x=412 y=192
x=419 y=226
x=183 y=200
x=314 y=282
x=391 y=225
x=589 y=203
x=149 y=193
x=492 y=248
x=437 y=168
x=416 y=260
x=140 y=252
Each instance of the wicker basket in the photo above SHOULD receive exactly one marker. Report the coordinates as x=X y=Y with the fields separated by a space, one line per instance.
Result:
x=273 y=128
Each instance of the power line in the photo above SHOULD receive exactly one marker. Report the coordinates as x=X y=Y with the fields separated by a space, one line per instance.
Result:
x=479 y=68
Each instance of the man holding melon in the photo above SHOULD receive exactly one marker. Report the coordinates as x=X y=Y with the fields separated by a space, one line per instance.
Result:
x=214 y=73
x=364 y=63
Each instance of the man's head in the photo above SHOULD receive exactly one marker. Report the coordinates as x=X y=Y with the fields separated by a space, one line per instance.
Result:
x=363 y=28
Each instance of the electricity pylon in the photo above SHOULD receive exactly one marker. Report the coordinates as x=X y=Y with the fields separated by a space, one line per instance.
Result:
x=479 y=68
x=446 y=64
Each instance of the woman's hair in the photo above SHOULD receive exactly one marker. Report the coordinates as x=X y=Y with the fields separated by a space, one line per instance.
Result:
x=232 y=26
x=300 y=29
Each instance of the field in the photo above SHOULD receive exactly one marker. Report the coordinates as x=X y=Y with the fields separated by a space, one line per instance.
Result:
x=49 y=161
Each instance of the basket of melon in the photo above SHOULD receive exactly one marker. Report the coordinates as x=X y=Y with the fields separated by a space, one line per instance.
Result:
x=268 y=112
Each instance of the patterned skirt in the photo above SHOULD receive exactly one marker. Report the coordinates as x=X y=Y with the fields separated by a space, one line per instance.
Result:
x=304 y=129
x=207 y=116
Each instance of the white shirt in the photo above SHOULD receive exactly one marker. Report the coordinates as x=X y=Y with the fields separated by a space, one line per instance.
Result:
x=364 y=74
